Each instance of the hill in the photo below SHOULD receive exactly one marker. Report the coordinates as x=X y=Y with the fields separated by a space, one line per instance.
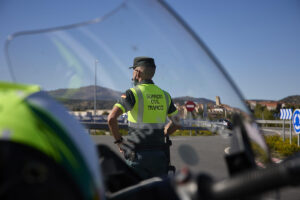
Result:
x=83 y=105
x=83 y=98
x=260 y=100
x=80 y=99
x=86 y=93
x=182 y=100
x=295 y=99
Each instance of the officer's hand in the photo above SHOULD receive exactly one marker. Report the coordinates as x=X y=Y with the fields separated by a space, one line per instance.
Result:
x=120 y=147
x=166 y=131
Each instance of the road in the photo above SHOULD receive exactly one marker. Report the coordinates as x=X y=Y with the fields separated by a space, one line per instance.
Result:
x=200 y=154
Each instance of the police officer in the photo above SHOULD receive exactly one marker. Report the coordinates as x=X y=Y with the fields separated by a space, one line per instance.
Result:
x=148 y=107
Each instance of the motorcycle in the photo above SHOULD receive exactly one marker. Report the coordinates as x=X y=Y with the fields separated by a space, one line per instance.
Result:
x=84 y=66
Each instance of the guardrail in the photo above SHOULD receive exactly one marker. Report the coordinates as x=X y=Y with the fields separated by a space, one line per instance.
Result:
x=104 y=126
x=194 y=125
x=279 y=123
x=283 y=124
x=269 y=121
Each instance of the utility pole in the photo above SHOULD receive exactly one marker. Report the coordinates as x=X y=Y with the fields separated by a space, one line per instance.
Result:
x=95 y=98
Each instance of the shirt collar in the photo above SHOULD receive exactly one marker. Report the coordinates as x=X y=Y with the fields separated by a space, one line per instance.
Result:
x=146 y=82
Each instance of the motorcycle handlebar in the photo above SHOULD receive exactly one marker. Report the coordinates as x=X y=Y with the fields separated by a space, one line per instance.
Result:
x=183 y=186
x=257 y=181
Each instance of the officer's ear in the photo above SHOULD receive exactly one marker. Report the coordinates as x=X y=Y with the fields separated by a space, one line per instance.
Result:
x=137 y=70
x=140 y=73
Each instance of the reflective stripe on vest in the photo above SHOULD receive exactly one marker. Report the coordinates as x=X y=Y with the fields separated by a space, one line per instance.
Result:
x=151 y=107
x=140 y=105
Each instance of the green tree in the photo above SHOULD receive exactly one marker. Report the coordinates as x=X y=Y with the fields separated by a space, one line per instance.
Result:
x=268 y=115
x=200 y=112
x=259 y=111
x=105 y=113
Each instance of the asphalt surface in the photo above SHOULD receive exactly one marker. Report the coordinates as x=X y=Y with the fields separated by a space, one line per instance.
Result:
x=202 y=154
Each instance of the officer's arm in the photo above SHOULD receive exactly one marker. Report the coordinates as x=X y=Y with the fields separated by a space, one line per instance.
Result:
x=173 y=125
x=125 y=103
x=113 y=122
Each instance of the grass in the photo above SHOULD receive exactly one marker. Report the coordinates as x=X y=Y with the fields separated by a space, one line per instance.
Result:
x=98 y=132
x=105 y=132
x=193 y=133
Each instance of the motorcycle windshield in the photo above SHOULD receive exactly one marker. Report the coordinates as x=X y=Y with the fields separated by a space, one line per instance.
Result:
x=68 y=62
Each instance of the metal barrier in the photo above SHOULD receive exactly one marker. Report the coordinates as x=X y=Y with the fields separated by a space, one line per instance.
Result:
x=280 y=122
x=104 y=126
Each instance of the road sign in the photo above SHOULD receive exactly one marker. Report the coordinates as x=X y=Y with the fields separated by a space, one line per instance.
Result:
x=190 y=106
x=296 y=121
x=286 y=114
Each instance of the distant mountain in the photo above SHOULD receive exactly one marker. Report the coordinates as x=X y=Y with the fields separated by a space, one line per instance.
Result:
x=82 y=98
x=260 y=100
x=106 y=94
x=182 y=100
x=295 y=99
x=86 y=93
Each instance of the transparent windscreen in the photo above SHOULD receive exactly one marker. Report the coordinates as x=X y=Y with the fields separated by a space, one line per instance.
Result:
x=69 y=62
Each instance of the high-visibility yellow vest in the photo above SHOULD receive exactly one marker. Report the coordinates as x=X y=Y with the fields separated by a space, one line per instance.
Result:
x=151 y=107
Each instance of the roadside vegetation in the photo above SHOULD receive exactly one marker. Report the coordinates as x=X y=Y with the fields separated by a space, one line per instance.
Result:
x=106 y=132
x=282 y=149
x=98 y=132
x=193 y=133
x=177 y=133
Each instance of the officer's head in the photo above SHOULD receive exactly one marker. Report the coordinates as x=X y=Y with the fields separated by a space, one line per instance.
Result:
x=143 y=68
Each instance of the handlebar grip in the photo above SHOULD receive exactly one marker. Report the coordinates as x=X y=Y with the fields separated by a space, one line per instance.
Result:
x=258 y=181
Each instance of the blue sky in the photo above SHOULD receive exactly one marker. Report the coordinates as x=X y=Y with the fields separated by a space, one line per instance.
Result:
x=256 y=41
